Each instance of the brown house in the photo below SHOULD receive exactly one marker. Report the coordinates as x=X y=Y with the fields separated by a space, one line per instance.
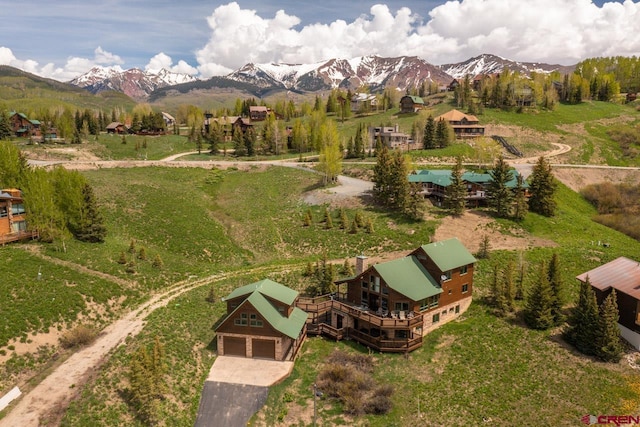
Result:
x=117 y=128
x=463 y=125
x=13 y=224
x=411 y=104
x=623 y=275
x=228 y=124
x=22 y=126
x=262 y=322
x=390 y=306
x=258 y=112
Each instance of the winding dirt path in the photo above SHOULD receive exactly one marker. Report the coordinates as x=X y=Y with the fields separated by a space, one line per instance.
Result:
x=45 y=403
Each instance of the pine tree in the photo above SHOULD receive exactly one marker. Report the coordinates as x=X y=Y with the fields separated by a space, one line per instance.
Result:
x=542 y=187
x=429 y=137
x=457 y=190
x=157 y=262
x=520 y=206
x=347 y=268
x=354 y=227
x=500 y=195
x=555 y=281
x=442 y=138
x=509 y=287
x=608 y=345
x=584 y=321
x=343 y=219
x=484 y=251
x=382 y=176
x=90 y=227
x=142 y=254
x=369 y=228
x=538 y=311
x=211 y=296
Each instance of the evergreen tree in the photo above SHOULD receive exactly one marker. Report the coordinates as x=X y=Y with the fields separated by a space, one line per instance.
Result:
x=584 y=321
x=5 y=126
x=509 y=287
x=500 y=195
x=429 y=137
x=608 y=345
x=238 y=143
x=538 y=311
x=199 y=143
x=555 y=281
x=157 y=262
x=382 y=177
x=442 y=137
x=91 y=226
x=343 y=219
x=484 y=251
x=457 y=190
x=347 y=268
x=542 y=187
x=354 y=227
x=520 y=205
x=400 y=190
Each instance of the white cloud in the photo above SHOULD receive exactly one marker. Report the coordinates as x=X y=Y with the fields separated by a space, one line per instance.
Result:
x=163 y=60
x=554 y=31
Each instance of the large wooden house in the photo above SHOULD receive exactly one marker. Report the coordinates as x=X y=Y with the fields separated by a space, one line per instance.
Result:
x=390 y=306
x=13 y=223
x=21 y=126
x=623 y=275
x=435 y=184
x=464 y=125
x=411 y=104
x=262 y=322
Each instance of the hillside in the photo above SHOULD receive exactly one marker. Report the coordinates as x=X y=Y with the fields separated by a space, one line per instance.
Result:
x=22 y=91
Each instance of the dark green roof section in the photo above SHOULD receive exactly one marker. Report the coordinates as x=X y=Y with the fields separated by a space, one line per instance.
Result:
x=443 y=178
x=448 y=254
x=408 y=277
x=268 y=288
x=290 y=326
x=416 y=99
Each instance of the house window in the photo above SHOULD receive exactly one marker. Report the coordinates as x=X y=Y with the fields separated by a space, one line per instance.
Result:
x=17 y=209
x=364 y=284
x=457 y=309
x=463 y=269
x=385 y=303
x=376 y=285
x=430 y=302
x=402 y=306
x=365 y=296
x=435 y=318
x=385 y=290
x=255 y=322
x=19 y=226
x=241 y=321
x=450 y=291
x=446 y=276
x=3 y=211
x=465 y=288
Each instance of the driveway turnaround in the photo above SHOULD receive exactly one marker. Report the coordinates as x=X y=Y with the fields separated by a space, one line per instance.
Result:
x=236 y=388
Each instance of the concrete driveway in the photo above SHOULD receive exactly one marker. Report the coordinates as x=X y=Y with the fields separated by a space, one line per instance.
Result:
x=237 y=388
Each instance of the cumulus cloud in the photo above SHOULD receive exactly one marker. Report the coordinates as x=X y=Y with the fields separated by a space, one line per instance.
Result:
x=163 y=60
x=554 y=31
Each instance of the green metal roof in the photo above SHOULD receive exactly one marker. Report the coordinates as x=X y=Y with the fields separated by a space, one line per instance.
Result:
x=290 y=326
x=416 y=99
x=408 y=277
x=443 y=178
x=449 y=254
x=268 y=288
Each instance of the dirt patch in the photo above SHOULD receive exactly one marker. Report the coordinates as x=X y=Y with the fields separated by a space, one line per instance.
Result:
x=579 y=177
x=471 y=227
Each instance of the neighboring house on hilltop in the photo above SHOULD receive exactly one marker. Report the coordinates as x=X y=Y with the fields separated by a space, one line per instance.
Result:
x=391 y=137
x=229 y=124
x=363 y=102
x=13 y=224
x=262 y=322
x=258 y=113
x=623 y=275
x=463 y=125
x=22 y=127
x=435 y=182
x=117 y=128
x=390 y=306
x=411 y=104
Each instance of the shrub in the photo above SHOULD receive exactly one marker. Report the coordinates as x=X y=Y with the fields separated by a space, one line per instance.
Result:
x=79 y=336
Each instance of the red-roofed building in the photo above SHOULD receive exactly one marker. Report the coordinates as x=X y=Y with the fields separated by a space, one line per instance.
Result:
x=623 y=275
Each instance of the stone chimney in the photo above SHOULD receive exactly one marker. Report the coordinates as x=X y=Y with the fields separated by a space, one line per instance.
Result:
x=361 y=264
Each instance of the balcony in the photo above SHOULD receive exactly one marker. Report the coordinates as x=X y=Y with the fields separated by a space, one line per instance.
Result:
x=17 y=236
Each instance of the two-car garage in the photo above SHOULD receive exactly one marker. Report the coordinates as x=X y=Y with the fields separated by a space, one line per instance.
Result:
x=260 y=348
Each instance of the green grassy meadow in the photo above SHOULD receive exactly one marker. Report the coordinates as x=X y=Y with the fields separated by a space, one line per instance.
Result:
x=249 y=224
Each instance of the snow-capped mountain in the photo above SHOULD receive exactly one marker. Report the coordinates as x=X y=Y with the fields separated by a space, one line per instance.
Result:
x=374 y=71
x=134 y=82
x=490 y=64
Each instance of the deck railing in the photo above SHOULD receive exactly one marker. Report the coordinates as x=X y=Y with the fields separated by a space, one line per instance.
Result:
x=18 y=235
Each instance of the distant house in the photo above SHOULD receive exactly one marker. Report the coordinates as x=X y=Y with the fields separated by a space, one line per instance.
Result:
x=229 y=124
x=453 y=85
x=391 y=137
x=169 y=120
x=22 y=127
x=623 y=275
x=411 y=104
x=13 y=224
x=258 y=113
x=435 y=183
x=363 y=102
x=463 y=125
x=117 y=128
x=390 y=306
x=262 y=322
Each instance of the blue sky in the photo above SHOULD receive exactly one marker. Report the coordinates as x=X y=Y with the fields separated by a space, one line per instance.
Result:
x=64 y=38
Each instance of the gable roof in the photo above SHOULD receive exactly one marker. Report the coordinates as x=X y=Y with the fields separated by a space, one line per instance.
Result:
x=409 y=277
x=114 y=125
x=267 y=288
x=448 y=254
x=415 y=99
x=290 y=326
x=622 y=274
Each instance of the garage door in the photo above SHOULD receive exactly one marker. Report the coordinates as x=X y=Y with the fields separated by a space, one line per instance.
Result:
x=264 y=349
x=234 y=346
